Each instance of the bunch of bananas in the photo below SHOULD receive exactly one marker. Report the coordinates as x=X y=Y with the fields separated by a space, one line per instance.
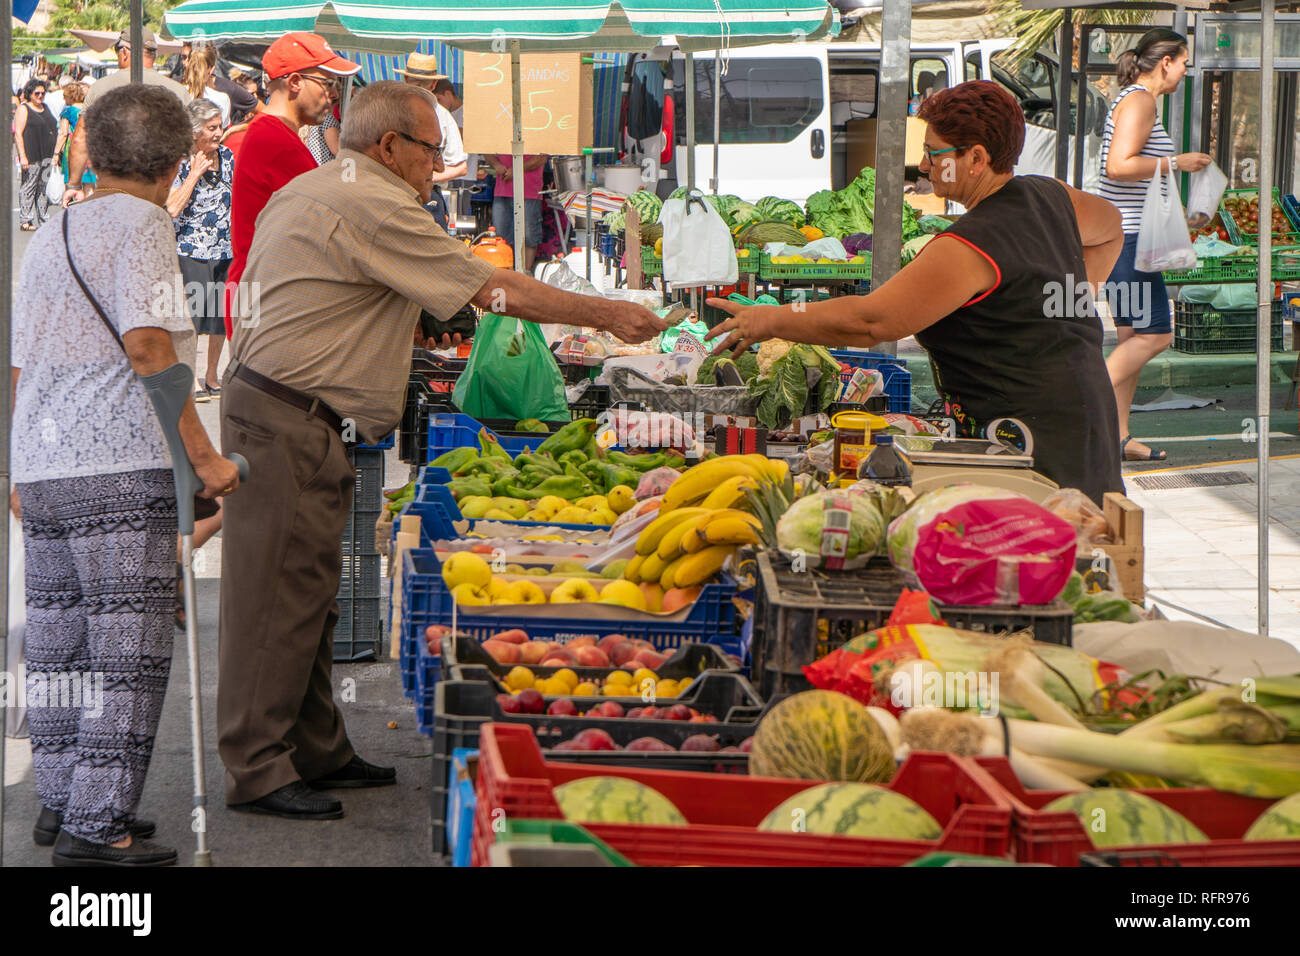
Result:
x=688 y=546
x=720 y=482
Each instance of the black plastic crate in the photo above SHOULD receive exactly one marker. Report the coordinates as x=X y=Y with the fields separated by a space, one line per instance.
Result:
x=368 y=492
x=429 y=389
x=356 y=635
x=359 y=534
x=799 y=617
x=360 y=577
x=688 y=660
x=1200 y=329
x=593 y=403
x=461 y=707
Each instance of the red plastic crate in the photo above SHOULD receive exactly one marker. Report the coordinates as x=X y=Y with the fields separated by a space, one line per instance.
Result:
x=723 y=810
x=1059 y=838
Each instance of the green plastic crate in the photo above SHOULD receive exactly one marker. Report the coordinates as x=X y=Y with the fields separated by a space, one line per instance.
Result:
x=1237 y=237
x=1286 y=267
x=558 y=831
x=1200 y=329
x=815 y=271
x=653 y=265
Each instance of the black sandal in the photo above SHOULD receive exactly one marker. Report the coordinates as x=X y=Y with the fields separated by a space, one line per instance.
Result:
x=1149 y=456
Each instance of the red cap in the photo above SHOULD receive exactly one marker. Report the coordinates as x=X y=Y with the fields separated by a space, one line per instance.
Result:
x=294 y=52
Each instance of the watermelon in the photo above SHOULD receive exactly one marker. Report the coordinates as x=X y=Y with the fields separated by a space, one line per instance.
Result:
x=821 y=735
x=853 y=809
x=615 y=800
x=1281 y=821
x=646 y=204
x=781 y=210
x=1115 y=817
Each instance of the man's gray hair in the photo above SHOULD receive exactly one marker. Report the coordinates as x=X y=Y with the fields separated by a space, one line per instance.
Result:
x=201 y=110
x=138 y=132
x=380 y=108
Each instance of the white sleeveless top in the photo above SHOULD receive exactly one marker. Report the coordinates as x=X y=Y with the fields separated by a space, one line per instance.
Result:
x=1128 y=196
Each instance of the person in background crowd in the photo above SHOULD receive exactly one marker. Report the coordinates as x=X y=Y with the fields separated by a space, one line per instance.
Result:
x=98 y=506
x=54 y=101
x=323 y=139
x=243 y=95
x=77 y=156
x=198 y=80
x=233 y=137
x=345 y=264
x=74 y=95
x=301 y=69
x=422 y=71
x=200 y=202
x=36 y=132
x=503 y=202
x=1134 y=146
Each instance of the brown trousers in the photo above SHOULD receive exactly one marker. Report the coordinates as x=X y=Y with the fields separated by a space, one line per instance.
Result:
x=277 y=720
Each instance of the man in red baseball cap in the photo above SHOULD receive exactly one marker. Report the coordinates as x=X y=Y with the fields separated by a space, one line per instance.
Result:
x=301 y=70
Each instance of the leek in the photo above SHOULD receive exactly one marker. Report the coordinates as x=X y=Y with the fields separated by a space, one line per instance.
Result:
x=1246 y=723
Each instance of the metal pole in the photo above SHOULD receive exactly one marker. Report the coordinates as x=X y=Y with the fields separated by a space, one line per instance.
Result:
x=690 y=121
x=1178 y=111
x=1065 y=63
x=517 y=151
x=6 y=311
x=587 y=177
x=1263 y=364
x=1081 y=114
x=137 y=41
x=891 y=140
x=717 y=116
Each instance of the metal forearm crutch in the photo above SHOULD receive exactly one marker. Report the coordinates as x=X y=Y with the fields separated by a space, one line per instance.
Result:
x=169 y=390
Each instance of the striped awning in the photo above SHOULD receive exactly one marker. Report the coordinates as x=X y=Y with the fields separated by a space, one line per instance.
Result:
x=395 y=26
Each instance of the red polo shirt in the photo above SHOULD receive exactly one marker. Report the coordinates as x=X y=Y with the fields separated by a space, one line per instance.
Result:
x=270 y=155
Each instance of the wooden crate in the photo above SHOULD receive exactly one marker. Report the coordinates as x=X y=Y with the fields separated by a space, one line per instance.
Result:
x=1125 y=518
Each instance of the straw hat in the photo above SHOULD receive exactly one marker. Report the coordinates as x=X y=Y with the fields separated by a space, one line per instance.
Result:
x=422 y=66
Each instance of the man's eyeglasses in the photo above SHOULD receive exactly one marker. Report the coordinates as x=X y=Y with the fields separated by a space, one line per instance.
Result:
x=434 y=151
x=931 y=153
x=331 y=85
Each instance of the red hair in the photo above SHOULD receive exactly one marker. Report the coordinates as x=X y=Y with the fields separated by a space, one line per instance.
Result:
x=979 y=112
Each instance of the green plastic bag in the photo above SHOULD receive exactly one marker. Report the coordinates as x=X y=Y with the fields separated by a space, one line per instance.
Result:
x=511 y=374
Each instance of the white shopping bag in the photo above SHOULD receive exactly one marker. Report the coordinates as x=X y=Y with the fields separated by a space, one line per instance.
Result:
x=1163 y=242
x=16 y=719
x=1204 y=190
x=56 y=185
x=697 y=243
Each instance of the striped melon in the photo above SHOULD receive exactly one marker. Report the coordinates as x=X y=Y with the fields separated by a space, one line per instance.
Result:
x=821 y=735
x=853 y=809
x=1281 y=821
x=615 y=800
x=1115 y=817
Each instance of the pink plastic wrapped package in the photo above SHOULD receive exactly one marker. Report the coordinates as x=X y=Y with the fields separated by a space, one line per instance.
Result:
x=656 y=481
x=970 y=544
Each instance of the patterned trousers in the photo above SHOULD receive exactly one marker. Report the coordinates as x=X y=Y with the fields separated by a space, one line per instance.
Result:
x=101 y=592
x=33 y=205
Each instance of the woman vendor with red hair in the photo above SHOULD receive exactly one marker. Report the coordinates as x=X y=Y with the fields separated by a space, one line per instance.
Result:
x=997 y=307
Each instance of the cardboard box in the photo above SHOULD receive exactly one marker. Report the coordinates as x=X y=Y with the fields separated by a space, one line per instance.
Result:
x=1128 y=552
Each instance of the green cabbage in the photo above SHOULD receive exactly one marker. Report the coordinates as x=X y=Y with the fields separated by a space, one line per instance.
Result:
x=800 y=528
x=743 y=212
x=853 y=209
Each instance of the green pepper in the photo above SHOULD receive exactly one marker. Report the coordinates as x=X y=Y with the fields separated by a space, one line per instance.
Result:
x=611 y=476
x=593 y=450
x=464 y=487
x=569 y=438
x=455 y=460
x=516 y=490
x=532 y=477
x=508 y=478
x=638 y=463
x=490 y=447
x=569 y=487
x=406 y=491
x=577 y=457
x=532 y=425
x=543 y=463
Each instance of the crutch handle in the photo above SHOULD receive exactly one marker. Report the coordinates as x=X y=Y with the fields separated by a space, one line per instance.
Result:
x=241 y=463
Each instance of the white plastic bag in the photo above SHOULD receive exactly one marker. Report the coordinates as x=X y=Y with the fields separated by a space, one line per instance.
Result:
x=56 y=184
x=1163 y=242
x=697 y=244
x=1205 y=189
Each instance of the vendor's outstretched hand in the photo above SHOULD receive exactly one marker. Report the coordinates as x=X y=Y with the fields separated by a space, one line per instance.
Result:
x=633 y=323
x=748 y=325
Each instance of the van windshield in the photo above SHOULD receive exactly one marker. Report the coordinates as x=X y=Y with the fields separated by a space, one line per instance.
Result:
x=769 y=100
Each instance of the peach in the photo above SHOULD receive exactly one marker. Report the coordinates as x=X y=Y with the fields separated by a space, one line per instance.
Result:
x=502 y=652
x=586 y=640
x=622 y=653
x=651 y=659
x=533 y=652
x=678 y=598
x=609 y=640
x=592 y=657
x=515 y=636
x=559 y=659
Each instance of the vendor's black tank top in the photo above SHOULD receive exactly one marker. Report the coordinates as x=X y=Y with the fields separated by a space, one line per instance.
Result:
x=1030 y=349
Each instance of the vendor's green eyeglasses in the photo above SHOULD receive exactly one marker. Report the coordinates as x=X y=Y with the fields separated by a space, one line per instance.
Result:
x=931 y=153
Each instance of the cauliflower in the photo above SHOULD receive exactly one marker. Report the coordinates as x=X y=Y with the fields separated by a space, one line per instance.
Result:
x=769 y=352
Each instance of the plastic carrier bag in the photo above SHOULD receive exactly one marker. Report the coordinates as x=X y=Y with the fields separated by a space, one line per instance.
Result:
x=1163 y=243
x=1204 y=190
x=697 y=243
x=511 y=374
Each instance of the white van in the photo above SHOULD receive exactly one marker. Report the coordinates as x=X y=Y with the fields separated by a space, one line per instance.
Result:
x=799 y=118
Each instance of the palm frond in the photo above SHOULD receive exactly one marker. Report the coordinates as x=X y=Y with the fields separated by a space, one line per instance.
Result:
x=1034 y=29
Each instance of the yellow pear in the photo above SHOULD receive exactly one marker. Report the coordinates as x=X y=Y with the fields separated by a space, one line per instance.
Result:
x=465 y=567
x=623 y=593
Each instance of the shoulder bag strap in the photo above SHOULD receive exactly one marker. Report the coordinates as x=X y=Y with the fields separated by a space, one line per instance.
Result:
x=99 y=310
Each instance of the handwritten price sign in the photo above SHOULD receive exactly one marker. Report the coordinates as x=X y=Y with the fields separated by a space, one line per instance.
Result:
x=555 y=96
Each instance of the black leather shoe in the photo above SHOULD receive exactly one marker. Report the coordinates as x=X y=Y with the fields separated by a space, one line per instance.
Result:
x=48 y=823
x=293 y=801
x=356 y=773
x=74 y=851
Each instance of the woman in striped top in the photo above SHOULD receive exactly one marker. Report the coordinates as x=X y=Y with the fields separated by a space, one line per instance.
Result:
x=1133 y=147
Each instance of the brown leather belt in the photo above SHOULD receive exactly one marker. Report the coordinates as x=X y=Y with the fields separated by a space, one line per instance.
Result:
x=289 y=396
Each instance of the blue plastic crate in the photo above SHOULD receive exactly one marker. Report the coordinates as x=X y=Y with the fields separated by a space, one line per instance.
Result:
x=428 y=667
x=426 y=600
x=898 y=380
x=451 y=430
x=382 y=445
x=461 y=803
x=1291 y=313
x=437 y=509
x=1291 y=206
